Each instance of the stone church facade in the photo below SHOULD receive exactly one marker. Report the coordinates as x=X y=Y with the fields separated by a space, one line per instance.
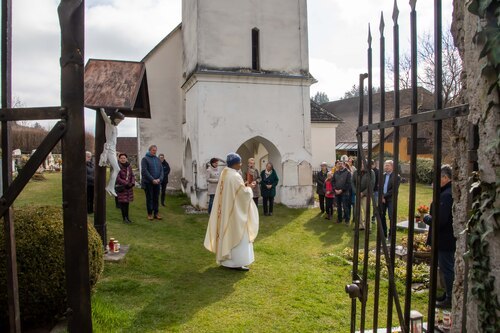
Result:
x=233 y=76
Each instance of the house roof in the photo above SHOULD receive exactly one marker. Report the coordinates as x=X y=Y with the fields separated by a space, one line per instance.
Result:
x=348 y=110
x=127 y=145
x=320 y=115
x=350 y=146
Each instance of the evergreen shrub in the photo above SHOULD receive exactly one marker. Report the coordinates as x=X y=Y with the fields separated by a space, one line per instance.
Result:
x=425 y=170
x=40 y=264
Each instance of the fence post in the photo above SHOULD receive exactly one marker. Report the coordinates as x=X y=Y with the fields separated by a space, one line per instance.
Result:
x=71 y=17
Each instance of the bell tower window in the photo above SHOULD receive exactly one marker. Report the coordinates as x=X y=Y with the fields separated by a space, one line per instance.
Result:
x=255 y=50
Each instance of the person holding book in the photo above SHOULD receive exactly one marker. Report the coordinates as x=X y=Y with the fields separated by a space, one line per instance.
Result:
x=253 y=175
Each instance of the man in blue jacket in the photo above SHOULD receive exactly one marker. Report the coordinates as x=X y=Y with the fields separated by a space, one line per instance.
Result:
x=151 y=178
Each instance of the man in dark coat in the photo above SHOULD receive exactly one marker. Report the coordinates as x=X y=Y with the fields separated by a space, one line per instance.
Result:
x=320 y=185
x=387 y=192
x=446 y=241
x=342 y=189
x=166 y=172
x=366 y=181
x=151 y=178
x=90 y=182
x=373 y=166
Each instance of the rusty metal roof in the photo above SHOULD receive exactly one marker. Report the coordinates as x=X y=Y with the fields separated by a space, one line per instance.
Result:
x=113 y=84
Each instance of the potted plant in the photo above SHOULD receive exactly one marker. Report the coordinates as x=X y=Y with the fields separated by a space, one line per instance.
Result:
x=419 y=217
x=421 y=211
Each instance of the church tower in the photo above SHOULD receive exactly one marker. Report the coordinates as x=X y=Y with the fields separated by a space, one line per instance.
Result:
x=246 y=89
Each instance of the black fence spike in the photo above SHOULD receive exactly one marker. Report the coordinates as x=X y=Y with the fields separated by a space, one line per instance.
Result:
x=395 y=12
x=413 y=3
x=382 y=24
x=369 y=35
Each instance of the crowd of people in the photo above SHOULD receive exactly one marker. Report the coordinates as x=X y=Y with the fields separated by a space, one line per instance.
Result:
x=265 y=183
x=338 y=188
x=154 y=180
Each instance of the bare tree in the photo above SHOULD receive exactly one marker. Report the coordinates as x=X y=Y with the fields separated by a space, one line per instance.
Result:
x=404 y=72
x=17 y=102
x=452 y=67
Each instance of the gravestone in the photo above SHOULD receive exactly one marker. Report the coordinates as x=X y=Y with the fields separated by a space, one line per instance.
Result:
x=305 y=173
x=290 y=173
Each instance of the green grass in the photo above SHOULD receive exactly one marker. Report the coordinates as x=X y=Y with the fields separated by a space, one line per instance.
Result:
x=170 y=283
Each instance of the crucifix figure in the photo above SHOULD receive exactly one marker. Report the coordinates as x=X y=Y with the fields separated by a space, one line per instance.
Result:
x=108 y=155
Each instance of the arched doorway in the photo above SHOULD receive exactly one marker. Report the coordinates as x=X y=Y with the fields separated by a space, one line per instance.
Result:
x=263 y=151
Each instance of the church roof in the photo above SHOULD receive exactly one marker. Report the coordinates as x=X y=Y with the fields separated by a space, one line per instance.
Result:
x=320 y=115
x=167 y=37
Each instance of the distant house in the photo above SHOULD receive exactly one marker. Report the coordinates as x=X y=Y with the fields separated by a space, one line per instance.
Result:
x=348 y=110
x=128 y=145
x=323 y=134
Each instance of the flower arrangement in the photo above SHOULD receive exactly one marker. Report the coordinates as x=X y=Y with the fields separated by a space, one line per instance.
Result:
x=422 y=210
x=419 y=242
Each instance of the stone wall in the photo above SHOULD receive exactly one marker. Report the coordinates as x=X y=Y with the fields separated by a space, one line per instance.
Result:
x=475 y=93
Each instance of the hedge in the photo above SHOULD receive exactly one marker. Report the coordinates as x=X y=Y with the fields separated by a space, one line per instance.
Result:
x=40 y=264
x=425 y=170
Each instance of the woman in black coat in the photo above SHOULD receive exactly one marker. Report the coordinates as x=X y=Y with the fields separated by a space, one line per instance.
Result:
x=320 y=185
x=166 y=172
x=268 y=183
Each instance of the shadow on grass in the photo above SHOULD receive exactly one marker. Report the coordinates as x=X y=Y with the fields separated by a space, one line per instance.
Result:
x=328 y=231
x=179 y=299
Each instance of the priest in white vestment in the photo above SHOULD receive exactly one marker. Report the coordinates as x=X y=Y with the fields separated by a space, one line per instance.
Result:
x=234 y=220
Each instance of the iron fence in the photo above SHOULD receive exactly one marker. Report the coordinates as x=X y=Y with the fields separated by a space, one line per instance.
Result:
x=358 y=290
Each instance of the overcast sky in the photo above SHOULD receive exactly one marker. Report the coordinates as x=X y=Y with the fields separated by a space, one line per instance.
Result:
x=128 y=29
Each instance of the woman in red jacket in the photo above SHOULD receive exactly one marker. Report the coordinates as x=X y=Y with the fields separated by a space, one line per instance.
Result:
x=329 y=195
x=125 y=183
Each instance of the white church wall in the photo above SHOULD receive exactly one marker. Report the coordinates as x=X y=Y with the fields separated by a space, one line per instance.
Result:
x=230 y=110
x=190 y=36
x=323 y=137
x=195 y=181
x=164 y=71
x=282 y=27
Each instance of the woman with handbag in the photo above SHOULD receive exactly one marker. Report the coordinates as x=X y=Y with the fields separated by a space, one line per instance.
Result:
x=124 y=188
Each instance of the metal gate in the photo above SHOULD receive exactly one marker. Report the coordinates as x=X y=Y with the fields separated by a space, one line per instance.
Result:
x=70 y=130
x=358 y=290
